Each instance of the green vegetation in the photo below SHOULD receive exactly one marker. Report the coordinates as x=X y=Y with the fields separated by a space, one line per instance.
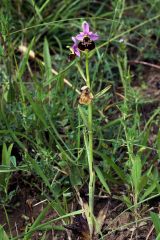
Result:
x=50 y=184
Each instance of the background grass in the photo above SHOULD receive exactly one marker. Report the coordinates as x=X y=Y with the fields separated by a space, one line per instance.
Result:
x=40 y=120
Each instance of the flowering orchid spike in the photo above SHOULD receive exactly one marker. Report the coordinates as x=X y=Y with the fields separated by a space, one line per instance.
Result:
x=87 y=33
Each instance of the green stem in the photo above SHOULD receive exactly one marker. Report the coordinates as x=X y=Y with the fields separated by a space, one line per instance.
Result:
x=7 y=219
x=90 y=153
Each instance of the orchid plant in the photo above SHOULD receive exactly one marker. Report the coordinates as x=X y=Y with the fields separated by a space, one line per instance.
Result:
x=83 y=43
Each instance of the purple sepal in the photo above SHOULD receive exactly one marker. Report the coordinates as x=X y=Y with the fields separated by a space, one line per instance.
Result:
x=86 y=32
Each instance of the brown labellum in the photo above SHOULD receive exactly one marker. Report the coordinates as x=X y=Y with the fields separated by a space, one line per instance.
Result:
x=86 y=44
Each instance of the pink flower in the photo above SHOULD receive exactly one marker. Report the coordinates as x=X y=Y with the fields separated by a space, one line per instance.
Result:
x=74 y=47
x=87 y=33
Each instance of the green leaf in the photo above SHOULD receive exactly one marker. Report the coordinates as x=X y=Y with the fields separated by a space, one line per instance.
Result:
x=127 y=201
x=143 y=182
x=83 y=115
x=75 y=176
x=156 y=221
x=4 y=155
x=158 y=143
x=13 y=161
x=149 y=190
x=3 y=235
x=58 y=75
x=101 y=93
x=158 y=237
x=109 y=161
x=47 y=61
x=38 y=220
x=102 y=179
x=24 y=61
x=4 y=175
x=136 y=173
x=81 y=71
x=39 y=172
x=67 y=215
x=37 y=9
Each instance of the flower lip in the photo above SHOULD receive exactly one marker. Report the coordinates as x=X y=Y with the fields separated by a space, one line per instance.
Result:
x=86 y=44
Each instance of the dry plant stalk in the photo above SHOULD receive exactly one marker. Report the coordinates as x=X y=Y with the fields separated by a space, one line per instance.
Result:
x=23 y=49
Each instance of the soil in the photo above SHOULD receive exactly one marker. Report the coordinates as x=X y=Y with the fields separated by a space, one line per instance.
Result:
x=117 y=224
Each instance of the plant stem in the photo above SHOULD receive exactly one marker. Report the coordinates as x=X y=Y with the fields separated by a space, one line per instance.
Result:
x=90 y=152
x=7 y=219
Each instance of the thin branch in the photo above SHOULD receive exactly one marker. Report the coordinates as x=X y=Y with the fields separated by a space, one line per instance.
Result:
x=144 y=63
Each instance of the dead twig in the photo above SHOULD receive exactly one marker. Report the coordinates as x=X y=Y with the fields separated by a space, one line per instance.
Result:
x=150 y=232
x=144 y=63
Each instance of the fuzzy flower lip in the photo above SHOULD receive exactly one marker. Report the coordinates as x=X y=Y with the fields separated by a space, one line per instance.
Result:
x=87 y=33
x=74 y=47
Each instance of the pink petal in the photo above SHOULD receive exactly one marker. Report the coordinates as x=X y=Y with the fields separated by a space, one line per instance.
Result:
x=77 y=52
x=74 y=40
x=80 y=36
x=93 y=36
x=85 y=27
